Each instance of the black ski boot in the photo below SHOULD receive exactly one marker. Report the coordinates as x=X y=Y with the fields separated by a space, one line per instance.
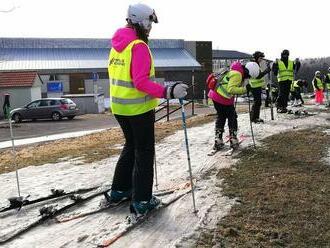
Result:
x=282 y=110
x=233 y=139
x=218 y=140
x=258 y=120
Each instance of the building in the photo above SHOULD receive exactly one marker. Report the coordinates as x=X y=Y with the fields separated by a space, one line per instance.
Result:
x=79 y=66
x=224 y=58
x=23 y=87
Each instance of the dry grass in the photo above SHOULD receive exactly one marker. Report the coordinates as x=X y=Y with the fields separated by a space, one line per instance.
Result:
x=93 y=147
x=283 y=191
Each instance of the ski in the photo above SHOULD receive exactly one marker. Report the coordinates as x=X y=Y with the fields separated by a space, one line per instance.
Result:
x=19 y=202
x=299 y=112
x=103 y=207
x=134 y=221
x=51 y=211
x=231 y=151
x=213 y=152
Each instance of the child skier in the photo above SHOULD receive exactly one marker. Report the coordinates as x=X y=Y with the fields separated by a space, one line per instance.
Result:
x=257 y=84
x=327 y=86
x=318 y=88
x=222 y=90
x=295 y=92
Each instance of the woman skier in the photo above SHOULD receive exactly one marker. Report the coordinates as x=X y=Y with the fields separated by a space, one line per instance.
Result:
x=133 y=100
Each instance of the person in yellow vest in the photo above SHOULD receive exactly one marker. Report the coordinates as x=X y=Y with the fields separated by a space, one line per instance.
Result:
x=327 y=86
x=295 y=92
x=257 y=84
x=134 y=96
x=318 y=88
x=222 y=92
x=285 y=70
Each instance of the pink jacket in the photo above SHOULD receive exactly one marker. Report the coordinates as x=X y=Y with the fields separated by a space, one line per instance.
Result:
x=236 y=66
x=141 y=62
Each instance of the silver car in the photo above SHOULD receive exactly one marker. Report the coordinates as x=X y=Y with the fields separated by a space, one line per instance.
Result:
x=46 y=108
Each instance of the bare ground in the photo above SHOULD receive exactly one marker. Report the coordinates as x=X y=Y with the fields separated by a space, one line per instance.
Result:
x=282 y=192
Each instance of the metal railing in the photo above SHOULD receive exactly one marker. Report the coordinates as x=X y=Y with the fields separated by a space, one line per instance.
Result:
x=166 y=105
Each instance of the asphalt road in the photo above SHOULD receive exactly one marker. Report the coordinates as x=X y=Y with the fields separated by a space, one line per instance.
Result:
x=31 y=129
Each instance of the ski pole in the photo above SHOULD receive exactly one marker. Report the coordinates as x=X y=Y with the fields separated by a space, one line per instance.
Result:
x=184 y=126
x=156 y=176
x=254 y=143
x=271 y=94
x=236 y=101
x=14 y=154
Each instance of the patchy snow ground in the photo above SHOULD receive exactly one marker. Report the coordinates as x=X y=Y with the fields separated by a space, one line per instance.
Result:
x=175 y=226
x=19 y=142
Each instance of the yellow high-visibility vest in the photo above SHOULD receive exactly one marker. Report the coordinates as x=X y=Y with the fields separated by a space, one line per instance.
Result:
x=328 y=84
x=125 y=99
x=318 y=83
x=285 y=73
x=256 y=83
x=294 y=85
x=222 y=87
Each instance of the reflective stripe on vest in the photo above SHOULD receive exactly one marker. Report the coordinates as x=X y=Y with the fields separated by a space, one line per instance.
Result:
x=131 y=101
x=221 y=87
x=294 y=85
x=125 y=98
x=256 y=83
x=283 y=72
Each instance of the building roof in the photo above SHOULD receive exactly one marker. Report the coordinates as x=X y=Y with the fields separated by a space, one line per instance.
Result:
x=83 y=54
x=229 y=54
x=17 y=79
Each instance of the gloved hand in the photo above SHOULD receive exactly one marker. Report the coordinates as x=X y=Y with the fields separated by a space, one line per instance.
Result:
x=177 y=90
x=248 y=88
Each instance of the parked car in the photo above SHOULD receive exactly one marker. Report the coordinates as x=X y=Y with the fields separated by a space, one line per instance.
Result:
x=46 y=108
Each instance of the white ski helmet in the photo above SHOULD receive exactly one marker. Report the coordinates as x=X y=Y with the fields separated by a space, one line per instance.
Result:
x=141 y=14
x=253 y=69
x=317 y=73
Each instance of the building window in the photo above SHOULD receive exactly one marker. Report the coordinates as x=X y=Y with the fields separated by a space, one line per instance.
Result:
x=53 y=77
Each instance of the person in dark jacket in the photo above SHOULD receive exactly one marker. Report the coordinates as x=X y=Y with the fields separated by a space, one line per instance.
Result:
x=285 y=70
x=6 y=106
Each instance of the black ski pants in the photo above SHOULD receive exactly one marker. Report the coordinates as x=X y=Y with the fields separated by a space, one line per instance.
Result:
x=295 y=95
x=267 y=101
x=134 y=169
x=225 y=112
x=283 y=96
x=255 y=111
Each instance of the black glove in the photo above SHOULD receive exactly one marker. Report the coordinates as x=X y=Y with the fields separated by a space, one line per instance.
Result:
x=248 y=88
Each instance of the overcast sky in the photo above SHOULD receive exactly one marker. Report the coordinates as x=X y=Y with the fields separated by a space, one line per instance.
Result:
x=303 y=27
